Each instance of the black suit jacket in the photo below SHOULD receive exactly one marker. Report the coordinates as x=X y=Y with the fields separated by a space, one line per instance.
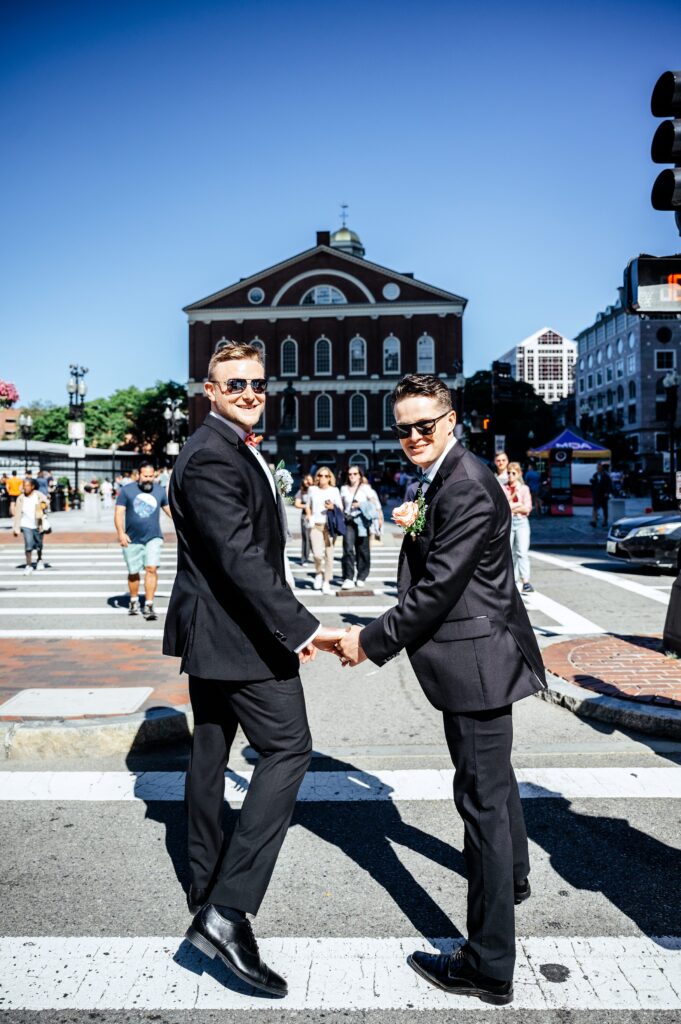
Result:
x=459 y=614
x=231 y=614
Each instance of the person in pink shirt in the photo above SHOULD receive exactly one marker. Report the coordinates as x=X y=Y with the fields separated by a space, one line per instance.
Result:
x=520 y=500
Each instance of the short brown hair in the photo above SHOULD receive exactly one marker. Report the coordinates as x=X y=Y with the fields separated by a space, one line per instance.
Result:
x=425 y=384
x=233 y=350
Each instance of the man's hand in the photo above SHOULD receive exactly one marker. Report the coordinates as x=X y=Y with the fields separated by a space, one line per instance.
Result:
x=124 y=540
x=327 y=638
x=349 y=648
x=308 y=653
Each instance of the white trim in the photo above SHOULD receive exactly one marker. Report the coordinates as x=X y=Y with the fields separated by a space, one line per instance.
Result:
x=358 y=394
x=335 y=385
x=322 y=272
x=399 y=353
x=302 y=313
x=384 y=404
x=318 y=429
x=659 y=351
x=288 y=373
x=425 y=337
x=318 y=372
x=357 y=373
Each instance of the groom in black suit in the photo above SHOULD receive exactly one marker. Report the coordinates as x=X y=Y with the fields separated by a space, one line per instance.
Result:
x=469 y=640
x=241 y=635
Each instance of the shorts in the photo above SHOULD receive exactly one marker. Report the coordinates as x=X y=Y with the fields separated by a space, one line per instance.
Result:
x=33 y=539
x=139 y=556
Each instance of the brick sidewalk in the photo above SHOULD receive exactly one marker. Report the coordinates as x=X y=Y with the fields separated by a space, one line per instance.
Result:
x=629 y=667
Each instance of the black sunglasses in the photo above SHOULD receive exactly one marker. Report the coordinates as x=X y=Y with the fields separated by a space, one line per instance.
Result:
x=424 y=427
x=239 y=384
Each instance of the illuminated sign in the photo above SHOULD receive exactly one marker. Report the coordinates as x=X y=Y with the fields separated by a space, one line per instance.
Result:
x=653 y=285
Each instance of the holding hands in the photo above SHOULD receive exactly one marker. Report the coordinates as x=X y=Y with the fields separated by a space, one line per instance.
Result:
x=345 y=644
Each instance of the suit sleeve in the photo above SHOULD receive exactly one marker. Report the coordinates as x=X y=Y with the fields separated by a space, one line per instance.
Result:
x=464 y=520
x=214 y=499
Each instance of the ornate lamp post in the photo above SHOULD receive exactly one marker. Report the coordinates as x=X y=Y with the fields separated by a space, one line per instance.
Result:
x=113 y=450
x=77 y=390
x=458 y=387
x=173 y=416
x=671 y=383
x=26 y=429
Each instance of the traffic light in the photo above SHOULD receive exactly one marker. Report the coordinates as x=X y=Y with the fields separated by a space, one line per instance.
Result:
x=652 y=285
x=666 y=147
x=501 y=382
x=485 y=423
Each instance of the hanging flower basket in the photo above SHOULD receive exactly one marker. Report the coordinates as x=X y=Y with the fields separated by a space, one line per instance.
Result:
x=8 y=394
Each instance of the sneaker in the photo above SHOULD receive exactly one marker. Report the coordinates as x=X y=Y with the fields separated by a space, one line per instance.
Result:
x=348 y=585
x=149 y=613
x=28 y=570
x=134 y=608
x=318 y=580
x=40 y=567
x=528 y=588
x=326 y=588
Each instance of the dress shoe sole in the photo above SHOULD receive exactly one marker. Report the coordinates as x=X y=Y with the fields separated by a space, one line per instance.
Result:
x=208 y=949
x=481 y=993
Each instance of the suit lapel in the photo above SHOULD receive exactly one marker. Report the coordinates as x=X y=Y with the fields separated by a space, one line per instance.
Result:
x=443 y=472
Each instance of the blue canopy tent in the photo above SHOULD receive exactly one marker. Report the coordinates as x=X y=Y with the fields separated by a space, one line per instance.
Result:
x=579 y=446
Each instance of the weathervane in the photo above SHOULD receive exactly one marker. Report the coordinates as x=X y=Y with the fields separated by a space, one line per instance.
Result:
x=344 y=213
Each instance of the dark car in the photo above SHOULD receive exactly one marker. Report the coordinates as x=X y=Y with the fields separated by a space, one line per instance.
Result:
x=647 y=540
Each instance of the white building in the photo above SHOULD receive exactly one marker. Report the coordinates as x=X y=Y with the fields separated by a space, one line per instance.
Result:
x=546 y=360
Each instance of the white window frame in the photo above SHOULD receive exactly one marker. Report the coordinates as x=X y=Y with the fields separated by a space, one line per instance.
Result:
x=388 y=411
x=631 y=362
x=392 y=337
x=637 y=446
x=431 y=340
x=318 y=287
x=260 y=426
x=288 y=373
x=362 y=372
x=361 y=460
x=666 y=351
x=357 y=394
x=317 y=427
x=281 y=411
x=619 y=369
x=260 y=344
x=318 y=372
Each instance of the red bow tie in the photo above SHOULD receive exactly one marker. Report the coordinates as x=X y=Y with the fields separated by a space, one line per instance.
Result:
x=253 y=440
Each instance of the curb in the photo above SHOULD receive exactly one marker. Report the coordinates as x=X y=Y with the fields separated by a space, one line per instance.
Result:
x=627 y=714
x=68 y=738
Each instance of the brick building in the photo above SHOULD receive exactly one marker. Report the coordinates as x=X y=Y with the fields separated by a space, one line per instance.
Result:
x=342 y=330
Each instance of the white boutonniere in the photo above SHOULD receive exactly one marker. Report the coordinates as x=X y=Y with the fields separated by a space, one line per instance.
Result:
x=283 y=479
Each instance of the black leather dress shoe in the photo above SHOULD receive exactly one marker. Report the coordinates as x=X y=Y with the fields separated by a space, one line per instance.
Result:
x=196 y=899
x=235 y=944
x=453 y=973
x=521 y=891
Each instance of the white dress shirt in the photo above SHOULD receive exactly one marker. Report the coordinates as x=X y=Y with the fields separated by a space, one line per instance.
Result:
x=434 y=466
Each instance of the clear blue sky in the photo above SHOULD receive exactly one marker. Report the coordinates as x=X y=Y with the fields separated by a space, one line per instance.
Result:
x=156 y=152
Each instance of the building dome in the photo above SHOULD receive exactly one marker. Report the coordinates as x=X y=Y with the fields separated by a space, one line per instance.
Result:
x=347 y=241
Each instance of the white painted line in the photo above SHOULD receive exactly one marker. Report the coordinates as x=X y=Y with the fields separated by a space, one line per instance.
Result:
x=569 y=622
x=40 y=612
x=424 y=784
x=150 y=633
x=76 y=701
x=603 y=576
x=32 y=594
x=343 y=609
x=166 y=973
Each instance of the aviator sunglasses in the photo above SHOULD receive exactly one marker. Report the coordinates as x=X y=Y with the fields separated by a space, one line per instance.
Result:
x=424 y=427
x=239 y=384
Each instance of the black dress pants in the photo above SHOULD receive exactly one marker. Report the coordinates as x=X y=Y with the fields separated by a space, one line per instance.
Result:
x=273 y=717
x=355 y=549
x=495 y=840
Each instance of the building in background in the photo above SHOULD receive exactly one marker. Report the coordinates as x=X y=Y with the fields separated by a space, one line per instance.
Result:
x=546 y=360
x=9 y=423
x=622 y=363
x=342 y=330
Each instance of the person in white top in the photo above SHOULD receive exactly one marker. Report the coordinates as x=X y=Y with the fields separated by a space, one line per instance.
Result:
x=107 y=493
x=28 y=520
x=321 y=496
x=358 y=499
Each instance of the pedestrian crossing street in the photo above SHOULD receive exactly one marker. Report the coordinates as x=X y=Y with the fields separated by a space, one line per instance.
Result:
x=564 y=963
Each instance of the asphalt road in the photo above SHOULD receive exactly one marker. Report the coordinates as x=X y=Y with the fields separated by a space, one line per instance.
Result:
x=380 y=869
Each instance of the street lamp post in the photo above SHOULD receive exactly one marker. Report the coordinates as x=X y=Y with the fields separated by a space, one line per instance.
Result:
x=77 y=390
x=458 y=387
x=584 y=415
x=114 y=449
x=374 y=438
x=26 y=428
x=173 y=416
x=671 y=383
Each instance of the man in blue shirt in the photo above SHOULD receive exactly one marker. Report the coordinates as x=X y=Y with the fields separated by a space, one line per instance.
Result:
x=137 y=518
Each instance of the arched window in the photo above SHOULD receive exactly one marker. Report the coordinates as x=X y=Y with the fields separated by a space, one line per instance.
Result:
x=221 y=344
x=358 y=355
x=359 y=459
x=425 y=354
x=322 y=356
x=323 y=417
x=289 y=358
x=388 y=413
x=358 y=412
x=295 y=412
x=323 y=295
x=620 y=394
x=391 y=354
x=632 y=390
x=259 y=428
x=257 y=343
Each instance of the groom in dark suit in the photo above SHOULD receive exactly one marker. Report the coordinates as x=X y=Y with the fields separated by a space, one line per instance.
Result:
x=469 y=640
x=241 y=635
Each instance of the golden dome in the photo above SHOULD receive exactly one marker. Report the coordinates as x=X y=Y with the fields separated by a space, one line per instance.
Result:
x=348 y=241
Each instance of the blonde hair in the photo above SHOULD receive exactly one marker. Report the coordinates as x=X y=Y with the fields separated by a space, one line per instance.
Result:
x=329 y=471
x=517 y=468
x=234 y=350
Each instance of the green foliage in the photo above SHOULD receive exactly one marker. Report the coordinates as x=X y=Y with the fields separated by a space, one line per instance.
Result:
x=130 y=418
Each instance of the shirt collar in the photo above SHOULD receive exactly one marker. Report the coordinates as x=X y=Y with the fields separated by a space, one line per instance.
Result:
x=235 y=426
x=434 y=466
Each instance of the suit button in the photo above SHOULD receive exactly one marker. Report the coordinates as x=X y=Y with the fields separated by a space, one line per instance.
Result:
x=280 y=636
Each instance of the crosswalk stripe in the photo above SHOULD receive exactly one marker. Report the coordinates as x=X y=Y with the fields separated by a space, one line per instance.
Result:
x=368 y=973
x=40 y=612
x=569 y=621
x=603 y=576
x=422 y=784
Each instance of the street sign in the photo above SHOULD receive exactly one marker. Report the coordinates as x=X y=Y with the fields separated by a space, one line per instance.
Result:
x=499 y=443
x=76 y=430
x=652 y=285
x=76 y=451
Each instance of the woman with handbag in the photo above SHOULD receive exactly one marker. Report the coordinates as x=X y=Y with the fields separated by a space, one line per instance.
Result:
x=305 y=522
x=322 y=497
x=360 y=513
x=31 y=521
